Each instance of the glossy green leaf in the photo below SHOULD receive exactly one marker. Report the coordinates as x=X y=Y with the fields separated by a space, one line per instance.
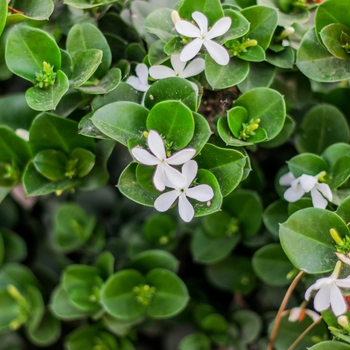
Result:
x=3 y=14
x=16 y=249
x=227 y=166
x=201 y=133
x=82 y=283
x=306 y=240
x=274 y=215
x=211 y=8
x=173 y=88
x=174 y=121
x=159 y=229
x=86 y=4
x=27 y=49
x=306 y=163
x=33 y=10
x=341 y=171
x=159 y=22
x=253 y=54
x=282 y=59
x=195 y=341
x=108 y=83
x=51 y=164
x=239 y=26
x=9 y=310
x=221 y=77
x=331 y=38
x=272 y=266
x=330 y=345
x=210 y=250
x=322 y=126
x=121 y=120
x=156 y=54
x=86 y=36
x=334 y=152
x=317 y=63
x=250 y=324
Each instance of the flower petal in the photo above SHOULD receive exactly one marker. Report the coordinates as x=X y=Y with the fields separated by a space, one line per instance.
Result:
x=317 y=285
x=142 y=72
x=165 y=200
x=182 y=156
x=161 y=72
x=186 y=210
x=337 y=301
x=307 y=182
x=201 y=193
x=217 y=52
x=325 y=190
x=177 y=64
x=156 y=145
x=144 y=157
x=193 y=68
x=187 y=29
x=322 y=299
x=286 y=179
x=343 y=282
x=219 y=28
x=174 y=176
x=134 y=82
x=317 y=199
x=159 y=177
x=202 y=21
x=191 y=49
x=189 y=170
x=292 y=195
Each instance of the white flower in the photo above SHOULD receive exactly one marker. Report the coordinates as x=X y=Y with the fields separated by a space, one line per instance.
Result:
x=202 y=36
x=298 y=314
x=201 y=193
x=164 y=170
x=140 y=82
x=329 y=293
x=304 y=184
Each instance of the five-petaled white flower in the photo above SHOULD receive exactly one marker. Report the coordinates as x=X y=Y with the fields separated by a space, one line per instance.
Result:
x=140 y=82
x=163 y=171
x=202 y=36
x=304 y=184
x=201 y=193
x=329 y=293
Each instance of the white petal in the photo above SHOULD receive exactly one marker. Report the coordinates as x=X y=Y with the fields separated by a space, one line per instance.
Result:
x=323 y=298
x=142 y=72
x=161 y=72
x=189 y=170
x=182 y=156
x=165 y=200
x=325 y=190
x=294 y=314
x=159 y=177
x=292 y=195
x=314 y=315
x=217 y=52
x=193 y=68
x=177 y=64
x=156 y=145
x=317 y=199
x=174 y=176
x=337 y=300
x=187 y=29
x=191 y=49
x=186 y=210
x=144 y=157
x=202 y=21
x=307 y=182
x=317 y=285
x=219 y=28
x=286 y=179
x=343 y=282
x=201 y=193
x=134 y=82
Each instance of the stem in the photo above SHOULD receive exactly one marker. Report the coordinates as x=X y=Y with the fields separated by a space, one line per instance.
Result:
x=302 y=335
x=15 y=11
x=281 y=309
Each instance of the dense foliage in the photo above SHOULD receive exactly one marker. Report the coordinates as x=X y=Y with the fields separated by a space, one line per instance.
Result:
x=174 y=174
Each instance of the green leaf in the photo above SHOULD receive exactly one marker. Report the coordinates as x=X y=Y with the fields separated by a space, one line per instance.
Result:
x=306 y=163
x=210 y=250
x=171 y=295
x=152 y=259
x=330 y=345
x=26 y=50
x=3 y=14
x=9 y=310
x=121 y=120
x=51 y=164
x=221 y=77
x=85 y=65
x=210 y=8
x=317 y=63
x=334 y=152
x=331 y=38
x=227 y=166
x=283 y=136
x=130 y=188
x=272 y=265
x=159 y=22
x=250 y=324
x=282 y=59
x=239 y=26
x=51 y=132
x=45 y=99
x=322 y=126
x=195 y=341
x=34 y=10
x=15 y=248
x=108 y=83
x=263 y=22
x=174 y=121
x=85 y=36
x=227 y=136
x=87 y=4
x=156 y=54
x=306 y=240
x=83 y=283
x=274 y=215
x=201 y=133
x=118 y=297
x=173 y=88
x=253 y=54
x=159 y=229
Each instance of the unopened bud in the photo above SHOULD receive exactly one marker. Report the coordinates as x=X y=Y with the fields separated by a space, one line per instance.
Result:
x=175 y=17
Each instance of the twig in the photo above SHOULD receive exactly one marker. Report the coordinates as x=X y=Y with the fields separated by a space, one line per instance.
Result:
x=281 y=309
